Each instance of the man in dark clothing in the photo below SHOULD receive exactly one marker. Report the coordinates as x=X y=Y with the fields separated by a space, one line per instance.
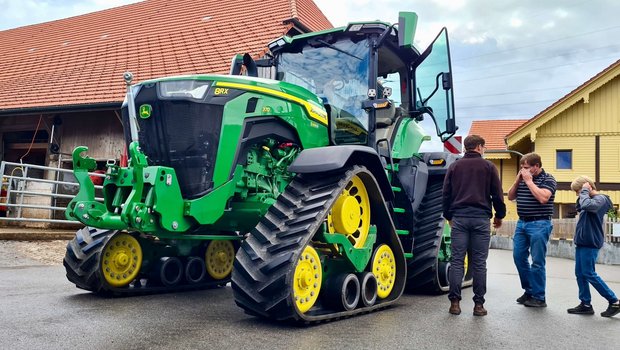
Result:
x=470 y=187
x=589 y=238
x=534 y=190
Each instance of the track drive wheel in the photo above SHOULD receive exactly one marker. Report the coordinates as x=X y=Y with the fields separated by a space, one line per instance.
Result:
x=219 y=258
x=350 y=214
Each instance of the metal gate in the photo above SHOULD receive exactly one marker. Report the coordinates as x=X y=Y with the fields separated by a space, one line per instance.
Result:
x=35 y=193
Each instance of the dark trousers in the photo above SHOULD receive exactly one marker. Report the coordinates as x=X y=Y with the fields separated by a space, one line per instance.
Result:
x=473 y=235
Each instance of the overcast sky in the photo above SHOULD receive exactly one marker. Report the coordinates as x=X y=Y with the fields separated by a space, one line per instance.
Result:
x=511 y=59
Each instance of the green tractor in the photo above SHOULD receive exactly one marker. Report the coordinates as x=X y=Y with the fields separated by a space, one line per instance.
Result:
x=306 y=189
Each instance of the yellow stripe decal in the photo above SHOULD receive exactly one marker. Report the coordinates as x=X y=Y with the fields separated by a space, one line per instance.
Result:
x=313 y=109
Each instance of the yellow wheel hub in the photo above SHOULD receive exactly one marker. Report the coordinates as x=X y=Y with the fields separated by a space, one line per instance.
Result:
x=384 y=269
x=350 y=214
x=465 y=265
x=307 y=279
x=219 y=259
x=121 y=260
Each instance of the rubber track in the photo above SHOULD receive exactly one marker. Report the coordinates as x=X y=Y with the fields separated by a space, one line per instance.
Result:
x=83 y=268
x=428 y=231
x=264 y=266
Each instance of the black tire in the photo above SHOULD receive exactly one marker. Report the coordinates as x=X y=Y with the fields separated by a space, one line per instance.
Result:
x=82 y=259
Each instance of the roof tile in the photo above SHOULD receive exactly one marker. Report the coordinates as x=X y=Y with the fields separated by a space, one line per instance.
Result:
x=80 y=60
x=495 y=131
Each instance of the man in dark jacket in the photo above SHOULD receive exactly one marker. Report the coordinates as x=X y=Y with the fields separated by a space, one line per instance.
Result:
x=470 y=187
x=589 y=238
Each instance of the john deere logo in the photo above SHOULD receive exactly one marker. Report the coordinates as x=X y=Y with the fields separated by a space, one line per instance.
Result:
x=145 y=111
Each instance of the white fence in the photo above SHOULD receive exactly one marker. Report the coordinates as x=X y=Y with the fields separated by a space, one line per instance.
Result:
x=565 y=229
x=35 y=193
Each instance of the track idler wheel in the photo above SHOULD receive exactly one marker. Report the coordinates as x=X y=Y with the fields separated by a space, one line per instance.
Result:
x=194 y=270
x=219 y=258
x=121 y=260
x=170 y=271
x=384 y=268
x=307 y=279
x=368 y=285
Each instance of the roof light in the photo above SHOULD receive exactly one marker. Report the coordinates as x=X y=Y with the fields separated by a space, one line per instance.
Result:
x=354 y=27
x=276 y=43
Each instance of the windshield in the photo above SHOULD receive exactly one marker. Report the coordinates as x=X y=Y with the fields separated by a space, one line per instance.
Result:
x=338 y=73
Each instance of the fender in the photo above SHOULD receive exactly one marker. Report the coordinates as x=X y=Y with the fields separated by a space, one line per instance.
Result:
x=332 y=158
x=441 y=169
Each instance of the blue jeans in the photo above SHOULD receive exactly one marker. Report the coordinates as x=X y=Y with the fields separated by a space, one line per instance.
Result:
x=531 y=238
x=585 y=260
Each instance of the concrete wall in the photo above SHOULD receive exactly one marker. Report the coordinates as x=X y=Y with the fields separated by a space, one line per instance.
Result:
x=559 y=248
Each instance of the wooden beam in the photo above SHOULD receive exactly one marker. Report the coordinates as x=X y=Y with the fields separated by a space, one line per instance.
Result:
x=36 y=145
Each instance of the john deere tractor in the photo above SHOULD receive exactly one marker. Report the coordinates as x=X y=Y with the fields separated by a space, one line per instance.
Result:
x=306 y=188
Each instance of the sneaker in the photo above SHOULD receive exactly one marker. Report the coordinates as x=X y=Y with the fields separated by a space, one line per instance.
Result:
x=582 y=309
x=523 y=298
x=531 y=302
x=455 y=307
x=479 y=310
x=612 y=310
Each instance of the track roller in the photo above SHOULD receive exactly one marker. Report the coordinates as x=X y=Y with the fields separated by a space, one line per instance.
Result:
x=342 y=292
x=194 y=270
x=368 y=286
x=170 y=271
x=443 y=271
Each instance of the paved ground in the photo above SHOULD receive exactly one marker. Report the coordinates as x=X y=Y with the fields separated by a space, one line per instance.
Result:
x=41 y=310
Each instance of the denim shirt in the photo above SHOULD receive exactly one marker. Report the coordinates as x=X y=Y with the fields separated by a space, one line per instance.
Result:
x=589 y=230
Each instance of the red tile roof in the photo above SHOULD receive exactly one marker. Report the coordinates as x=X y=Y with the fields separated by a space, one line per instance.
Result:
x=80 y=60
x=494 y=131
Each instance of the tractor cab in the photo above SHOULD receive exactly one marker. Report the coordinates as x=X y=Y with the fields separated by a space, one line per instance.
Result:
x=370 y=78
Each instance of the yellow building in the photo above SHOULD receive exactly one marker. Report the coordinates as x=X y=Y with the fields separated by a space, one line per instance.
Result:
x=577 y=135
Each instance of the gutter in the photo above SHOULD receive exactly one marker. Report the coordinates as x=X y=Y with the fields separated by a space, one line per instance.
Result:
x=61 y=109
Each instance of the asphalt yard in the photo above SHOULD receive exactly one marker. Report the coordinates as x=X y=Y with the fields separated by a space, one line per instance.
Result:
x=42 y=310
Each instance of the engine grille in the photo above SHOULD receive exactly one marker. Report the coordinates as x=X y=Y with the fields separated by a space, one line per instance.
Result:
x=182 y=134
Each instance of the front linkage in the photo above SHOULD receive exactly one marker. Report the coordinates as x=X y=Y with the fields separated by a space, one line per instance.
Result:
x=133 y=195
